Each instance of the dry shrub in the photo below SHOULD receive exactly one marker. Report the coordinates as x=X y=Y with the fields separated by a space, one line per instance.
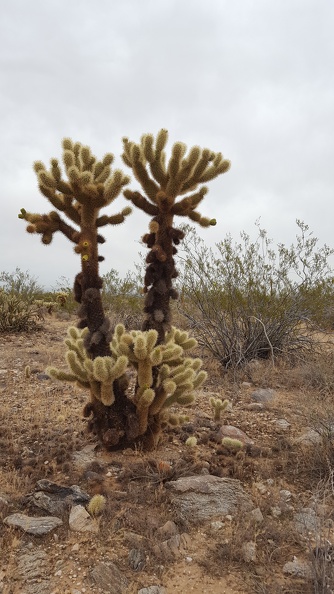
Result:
x=316 y=460
x=17 y=314
x=248 y=301
x=316 y=374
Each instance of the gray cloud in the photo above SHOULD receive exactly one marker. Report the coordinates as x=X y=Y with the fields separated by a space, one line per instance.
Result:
x=250 y=78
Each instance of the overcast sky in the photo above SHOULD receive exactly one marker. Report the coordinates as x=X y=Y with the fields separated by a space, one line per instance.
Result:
x=253 y=79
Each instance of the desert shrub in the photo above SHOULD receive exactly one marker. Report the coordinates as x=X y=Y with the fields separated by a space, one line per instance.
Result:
x=246 y=300
x=17 y=314
x=19 y=310
x=20 y=283
x=123 y=297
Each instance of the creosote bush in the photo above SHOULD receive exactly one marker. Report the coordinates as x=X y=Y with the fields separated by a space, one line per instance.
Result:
x=21 y=284
x=248 y=301
x=99 y=355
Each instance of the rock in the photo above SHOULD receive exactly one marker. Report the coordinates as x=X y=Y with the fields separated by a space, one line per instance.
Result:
x=81 y=521
x=167 y=530
x=56 y=499
x=31 y=565
x=233 y=433
x=32 y=571
x=132 y=539
x=285 y=495
x=42 y=376
x=217 y=525
x=261 y=487
x=254 y=406
x=153 y=590
x=109 y=578
x=264 y=395
x=49 y=503
x=256 y=515
x=297 y=568
x=75 y=547
x=173 y=547
x=198 y=498
x=249 y=551
x=309 y=438
x=306 y=521
x=74 y=493
x=33 y=525
x=282 y=424
x=276 y=511
x=137 y=559
x=84 y=457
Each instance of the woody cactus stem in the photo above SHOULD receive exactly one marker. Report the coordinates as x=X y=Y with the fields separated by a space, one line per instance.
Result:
x=162 y=184
x=90 y=186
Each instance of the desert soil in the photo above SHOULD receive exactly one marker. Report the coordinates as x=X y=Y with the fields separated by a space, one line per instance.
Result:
x=43 y=436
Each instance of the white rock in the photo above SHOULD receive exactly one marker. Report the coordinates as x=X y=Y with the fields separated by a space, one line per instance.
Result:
x=81 y=521
x=249 y=551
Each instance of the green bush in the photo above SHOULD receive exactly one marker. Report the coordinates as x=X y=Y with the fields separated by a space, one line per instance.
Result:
x=20 y=283
x=247 y=300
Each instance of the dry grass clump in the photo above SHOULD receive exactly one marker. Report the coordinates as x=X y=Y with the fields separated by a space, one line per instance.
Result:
x=316 y=374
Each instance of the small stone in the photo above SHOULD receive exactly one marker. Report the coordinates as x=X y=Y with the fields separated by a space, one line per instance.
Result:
x=43 y=376
x=75 y=547
x=276 y=511
x=261 y=488
x=257 y=515
x=249 y=551
x=285 y=495
x=282 y=424
x=263 y=395
x=298 y=568
x=217 y=525
x=137 y=559
x=84 y=457
x=167 y=530
x=254 y=406
x=132 y=539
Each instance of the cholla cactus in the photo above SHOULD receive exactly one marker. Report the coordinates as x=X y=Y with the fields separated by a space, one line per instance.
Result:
x=218 y=406
x=233 y=445
x=166 y=375
x=162 y=183
x=98 y=356
x=91 y=186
